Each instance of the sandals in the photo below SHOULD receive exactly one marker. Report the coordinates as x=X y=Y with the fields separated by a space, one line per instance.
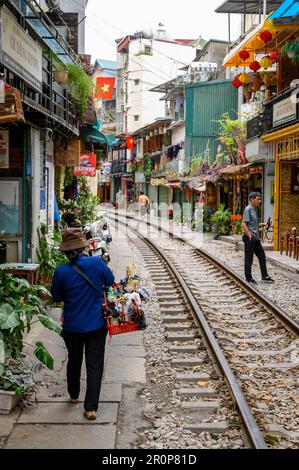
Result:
x=90 y=415
x=74 y=400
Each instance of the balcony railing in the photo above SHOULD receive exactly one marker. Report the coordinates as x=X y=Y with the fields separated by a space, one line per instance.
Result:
x=119 y=167
x=279 y=112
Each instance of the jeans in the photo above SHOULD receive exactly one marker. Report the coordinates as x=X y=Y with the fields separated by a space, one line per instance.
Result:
x=94 y=343
x=252 y=247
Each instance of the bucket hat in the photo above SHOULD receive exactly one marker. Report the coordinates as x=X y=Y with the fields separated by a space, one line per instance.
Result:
x=73 y=239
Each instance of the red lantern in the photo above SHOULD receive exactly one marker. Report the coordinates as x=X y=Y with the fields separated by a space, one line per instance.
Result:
x=266 y=36
x=236 y=82
x=255 y=66
x=244 y=55
x=130 y=143
x=274 y=56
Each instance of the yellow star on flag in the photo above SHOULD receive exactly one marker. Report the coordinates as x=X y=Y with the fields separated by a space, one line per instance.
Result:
x=106 y=88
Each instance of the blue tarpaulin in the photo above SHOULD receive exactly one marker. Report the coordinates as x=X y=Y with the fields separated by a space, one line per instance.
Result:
x=287 y=12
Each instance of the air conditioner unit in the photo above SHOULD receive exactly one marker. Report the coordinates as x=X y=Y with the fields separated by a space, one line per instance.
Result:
x=46 y=134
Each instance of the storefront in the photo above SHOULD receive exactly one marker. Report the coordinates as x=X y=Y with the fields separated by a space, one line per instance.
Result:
x=286 y=191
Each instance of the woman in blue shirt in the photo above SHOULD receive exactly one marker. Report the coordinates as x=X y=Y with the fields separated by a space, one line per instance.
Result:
x=83 y=322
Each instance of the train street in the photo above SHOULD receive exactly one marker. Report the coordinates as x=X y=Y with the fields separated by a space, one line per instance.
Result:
x=149 y=232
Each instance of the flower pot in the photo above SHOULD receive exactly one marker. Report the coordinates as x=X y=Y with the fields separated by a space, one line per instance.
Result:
x=8 y=401
x=60 y=76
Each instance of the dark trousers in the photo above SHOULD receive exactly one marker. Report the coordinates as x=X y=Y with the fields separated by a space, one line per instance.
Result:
x=94 y=344
x=254 y=247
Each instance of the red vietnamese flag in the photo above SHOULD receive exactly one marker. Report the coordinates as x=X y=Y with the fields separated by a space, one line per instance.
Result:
x=104 y=88
x=130 y=142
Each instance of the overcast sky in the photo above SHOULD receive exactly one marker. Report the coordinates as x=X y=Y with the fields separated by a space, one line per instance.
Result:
x=188 y=19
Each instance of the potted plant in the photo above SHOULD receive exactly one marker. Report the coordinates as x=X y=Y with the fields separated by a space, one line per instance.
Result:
x=221 y=222
x=20 y=307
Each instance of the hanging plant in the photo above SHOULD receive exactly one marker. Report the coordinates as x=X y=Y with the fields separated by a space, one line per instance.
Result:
x=80 y=87
x=291 y=50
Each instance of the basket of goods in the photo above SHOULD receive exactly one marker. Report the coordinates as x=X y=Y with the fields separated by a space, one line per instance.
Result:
x=122 y=308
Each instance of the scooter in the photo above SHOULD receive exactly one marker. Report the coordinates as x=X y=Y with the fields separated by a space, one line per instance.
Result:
x=98 y=247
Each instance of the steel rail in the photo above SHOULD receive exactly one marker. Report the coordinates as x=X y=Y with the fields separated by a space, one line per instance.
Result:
x=282 y=316
x=252 y=430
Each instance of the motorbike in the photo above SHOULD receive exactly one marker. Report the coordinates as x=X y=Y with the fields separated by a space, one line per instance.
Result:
x=98 y=246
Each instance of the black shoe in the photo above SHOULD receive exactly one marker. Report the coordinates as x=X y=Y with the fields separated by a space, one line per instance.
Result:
x=267 y=279
x=251 y=281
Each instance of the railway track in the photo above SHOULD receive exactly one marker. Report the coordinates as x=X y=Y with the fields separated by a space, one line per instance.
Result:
x=214 y=323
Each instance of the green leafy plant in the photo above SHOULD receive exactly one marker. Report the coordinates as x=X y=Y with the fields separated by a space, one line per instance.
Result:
x=49 y=256
x=196 y=165
x=221 y=222
x=147 y=166
x=18 y=376
x=207 y=222
x=20 y=307
x=232 y=134
x=238 y=227
x=80 y=87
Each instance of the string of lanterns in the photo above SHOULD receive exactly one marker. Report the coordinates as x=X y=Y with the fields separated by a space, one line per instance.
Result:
x=255 y=65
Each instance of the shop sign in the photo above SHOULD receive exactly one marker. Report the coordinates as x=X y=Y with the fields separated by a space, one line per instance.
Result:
x=87 y=165
x=256 y=170
x=19 y=52
x=4 y=149
x=69 y=157
x=85 y=171
x=158 y=181
x=284 y=111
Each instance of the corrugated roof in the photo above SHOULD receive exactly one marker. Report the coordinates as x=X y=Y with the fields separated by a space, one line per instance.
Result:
x=246 y=6
x=106 y=64
x=287 y=12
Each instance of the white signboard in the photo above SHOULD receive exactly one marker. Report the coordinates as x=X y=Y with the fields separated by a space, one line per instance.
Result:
x=284 y=111
x=4 y=148
x=19 y=52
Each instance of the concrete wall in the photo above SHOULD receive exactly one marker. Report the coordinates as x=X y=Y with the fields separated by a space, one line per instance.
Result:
x=142 y=105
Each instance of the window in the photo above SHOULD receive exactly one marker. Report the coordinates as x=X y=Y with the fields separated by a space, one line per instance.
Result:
x=136 y=117
x=148 y=50
x=137 y=81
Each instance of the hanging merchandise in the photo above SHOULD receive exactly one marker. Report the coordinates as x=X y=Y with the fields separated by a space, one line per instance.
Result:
x=255 y=66
x=237 y=62
x=266 y=36
x=244 y=55
x=236 y=82
x=257 y=83
x=257 y=44
x=266 y=62
x=244 y=77
x=275 y=56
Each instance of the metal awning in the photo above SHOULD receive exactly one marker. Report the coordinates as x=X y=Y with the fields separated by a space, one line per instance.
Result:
x=90 y=134
x=247 y=6
x=45 y=28
x=288 y=12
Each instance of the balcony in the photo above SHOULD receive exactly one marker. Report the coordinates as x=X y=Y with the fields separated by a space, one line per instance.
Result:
x=119 y=167
x=279 y=112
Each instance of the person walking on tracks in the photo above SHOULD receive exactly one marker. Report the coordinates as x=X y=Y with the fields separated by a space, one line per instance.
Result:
x=143 y=204
x=251 y=239
x=80 y=284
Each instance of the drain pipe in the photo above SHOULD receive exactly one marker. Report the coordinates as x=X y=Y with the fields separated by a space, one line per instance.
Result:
x=265 y=9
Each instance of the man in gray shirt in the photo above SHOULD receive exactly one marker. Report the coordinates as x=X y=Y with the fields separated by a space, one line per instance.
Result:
x=251 y=239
